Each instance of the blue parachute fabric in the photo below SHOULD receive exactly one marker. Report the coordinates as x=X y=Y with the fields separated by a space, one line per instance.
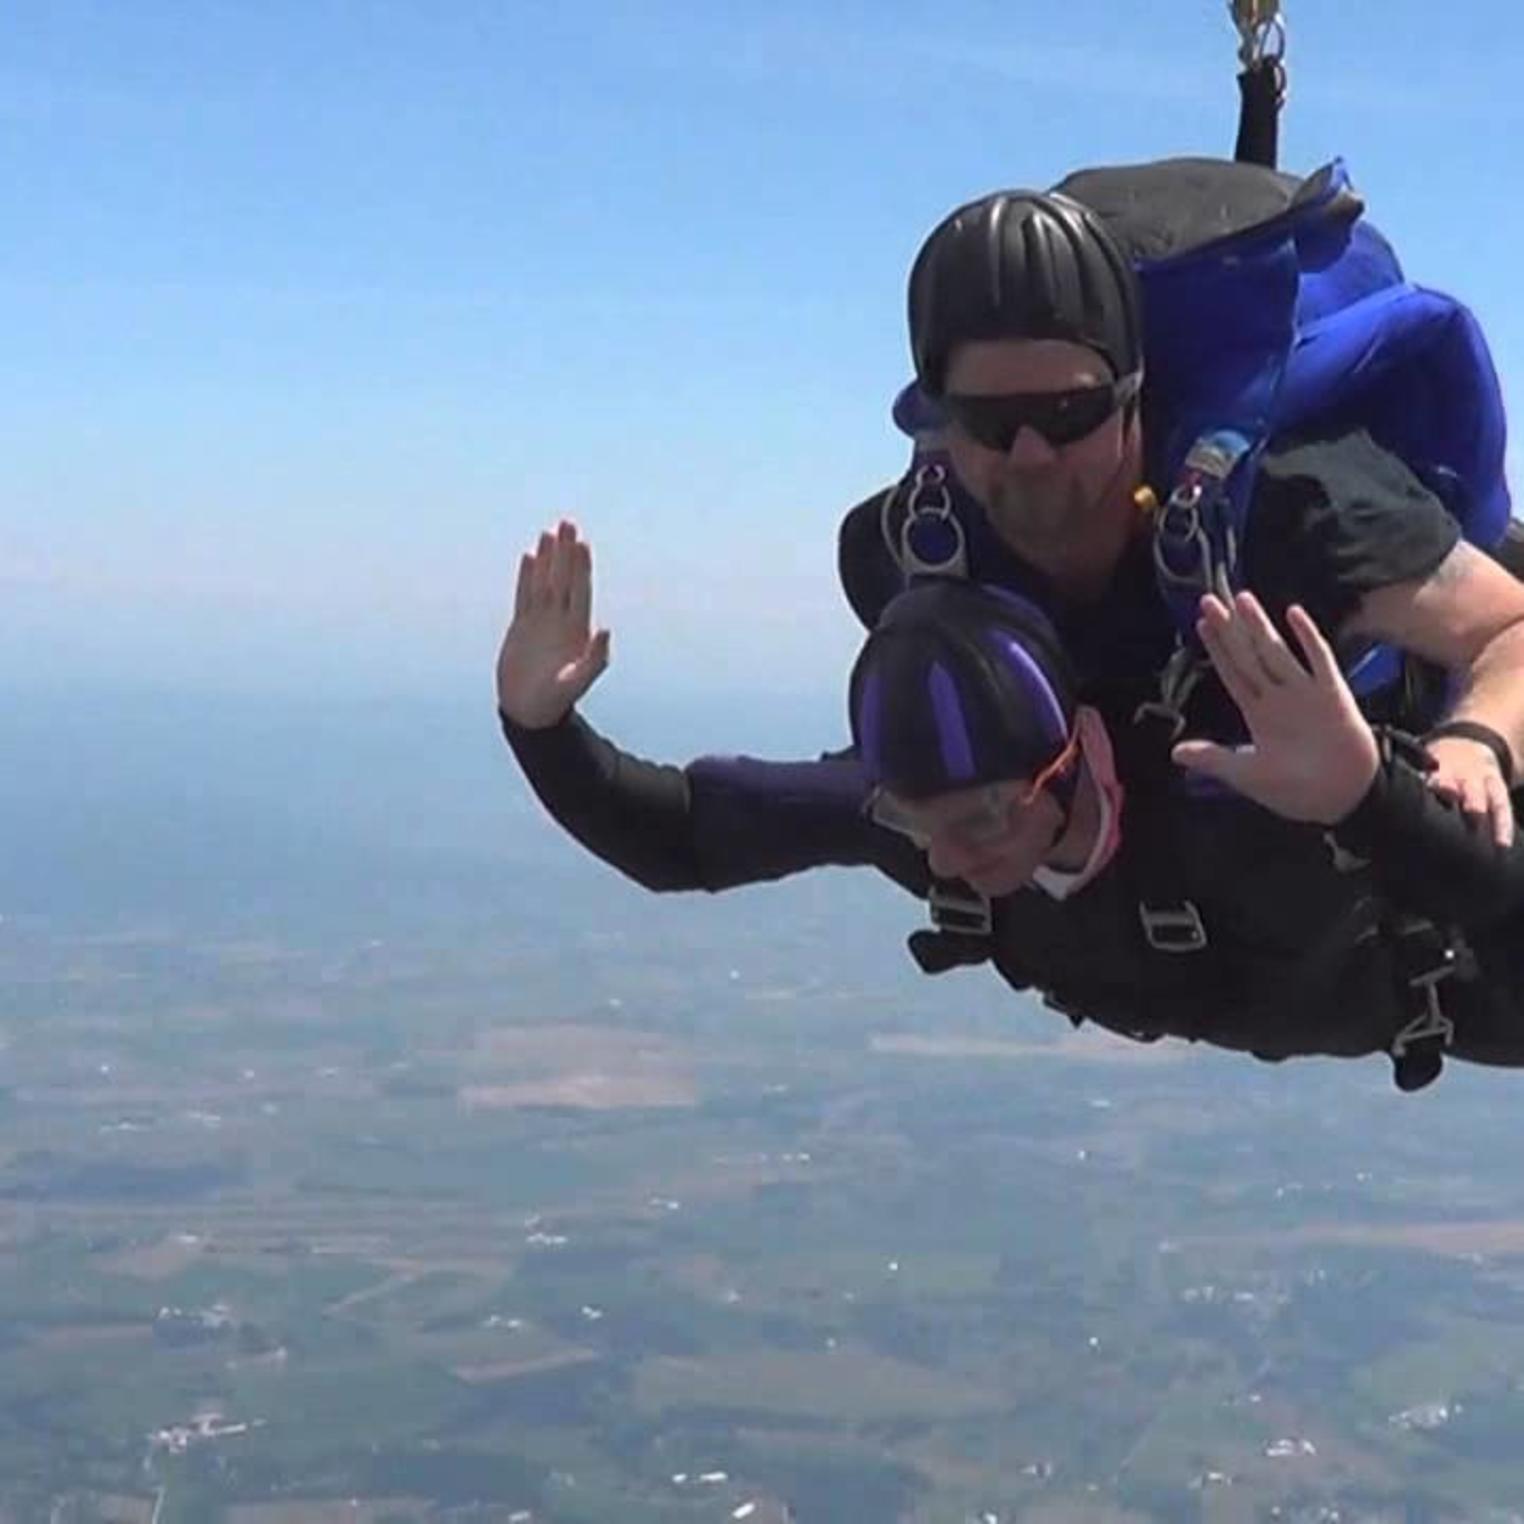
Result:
x=1365 y=264
x=1309 y=320
x=1306 y=321
x=1412 y=366
x=1219 y=323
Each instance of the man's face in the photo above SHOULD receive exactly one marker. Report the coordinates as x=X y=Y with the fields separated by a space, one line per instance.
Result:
x=1065 y=508
x=993 y=837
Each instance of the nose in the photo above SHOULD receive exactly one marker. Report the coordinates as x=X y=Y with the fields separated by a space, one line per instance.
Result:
x=1030 y=450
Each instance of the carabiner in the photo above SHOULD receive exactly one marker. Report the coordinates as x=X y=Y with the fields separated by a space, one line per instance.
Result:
x=1261 y=31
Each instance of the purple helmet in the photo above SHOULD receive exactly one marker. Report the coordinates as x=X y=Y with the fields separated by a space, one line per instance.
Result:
x=959 y=684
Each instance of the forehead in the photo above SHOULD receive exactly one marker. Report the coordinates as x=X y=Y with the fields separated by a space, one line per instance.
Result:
x=1024 y=365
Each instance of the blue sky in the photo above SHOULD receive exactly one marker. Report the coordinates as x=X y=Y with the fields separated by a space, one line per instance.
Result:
x=315 y=312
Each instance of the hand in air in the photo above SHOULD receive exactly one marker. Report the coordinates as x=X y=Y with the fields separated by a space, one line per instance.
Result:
x=1311 y=755
x=550 y=655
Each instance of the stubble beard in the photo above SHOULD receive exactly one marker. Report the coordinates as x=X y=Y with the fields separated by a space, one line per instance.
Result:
x=1070 y=534
x=1041 y=520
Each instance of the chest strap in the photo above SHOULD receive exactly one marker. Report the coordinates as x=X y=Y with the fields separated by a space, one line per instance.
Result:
x=962 y=929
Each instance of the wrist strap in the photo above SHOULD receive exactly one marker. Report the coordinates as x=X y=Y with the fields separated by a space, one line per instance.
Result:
x=1485 y=735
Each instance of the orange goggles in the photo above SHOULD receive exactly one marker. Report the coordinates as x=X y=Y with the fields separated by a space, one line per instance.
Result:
x=988 y=816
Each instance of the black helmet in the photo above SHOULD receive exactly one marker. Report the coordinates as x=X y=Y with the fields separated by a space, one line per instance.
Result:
x=959 y=684
x=1028 y=265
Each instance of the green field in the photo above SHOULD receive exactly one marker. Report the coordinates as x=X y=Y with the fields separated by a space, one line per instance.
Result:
x=920 y=1280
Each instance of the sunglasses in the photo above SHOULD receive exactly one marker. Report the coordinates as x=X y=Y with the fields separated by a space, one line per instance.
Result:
x=995 y=419
x=988 y=816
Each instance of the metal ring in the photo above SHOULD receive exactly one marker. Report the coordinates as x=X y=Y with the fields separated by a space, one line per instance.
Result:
x=1264 y=45
x=1269 y=42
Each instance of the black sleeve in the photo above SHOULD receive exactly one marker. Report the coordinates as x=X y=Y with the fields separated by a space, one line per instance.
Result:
x=717 y=823
x=1334 y=517
x=1428 y=855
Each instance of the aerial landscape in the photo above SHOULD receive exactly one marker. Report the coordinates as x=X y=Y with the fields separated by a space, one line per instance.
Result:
x=428 y=1201
x=373 y=1153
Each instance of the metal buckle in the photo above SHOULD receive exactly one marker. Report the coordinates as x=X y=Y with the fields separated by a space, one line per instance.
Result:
x=1455 y=960
x=1344 y=861
x=1157 y=709
x=1176 y=929
x=1178 y=681
x=1211 y=573
x=964 y=914
x=1178 y=528
x=1261 y=30
x=1432 y=1023
x=930 y=508
x=1192 y=527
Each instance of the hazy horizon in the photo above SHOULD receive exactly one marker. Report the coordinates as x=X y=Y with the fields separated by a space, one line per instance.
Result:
x=317 y=314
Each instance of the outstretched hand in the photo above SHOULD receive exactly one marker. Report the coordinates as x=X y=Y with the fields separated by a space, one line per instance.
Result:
x=550 y=656
x=1311 y=755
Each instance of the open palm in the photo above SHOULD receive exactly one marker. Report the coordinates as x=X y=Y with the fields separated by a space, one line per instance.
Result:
x=1311 y=755
x=550 y=655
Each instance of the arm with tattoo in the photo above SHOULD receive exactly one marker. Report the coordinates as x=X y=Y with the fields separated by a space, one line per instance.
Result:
x=1467 y=616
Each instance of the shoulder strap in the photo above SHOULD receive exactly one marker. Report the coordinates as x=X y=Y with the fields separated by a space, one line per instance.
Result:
x=869 y=575
x=1262 y=84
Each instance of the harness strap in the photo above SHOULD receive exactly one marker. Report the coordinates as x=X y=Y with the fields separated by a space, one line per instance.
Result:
x=1197 y=537
x=1262 y=84
x=962 y=934
x=1427 y=958
x=958 y=910
x=937 y=951
x=1262 y=92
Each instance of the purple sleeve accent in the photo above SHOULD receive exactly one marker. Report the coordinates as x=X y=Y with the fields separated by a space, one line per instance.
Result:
x=870 y=719
x=952 y=727
x=716 y=824
x=1037 y=682
x=833 y=781
x=753 y=820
